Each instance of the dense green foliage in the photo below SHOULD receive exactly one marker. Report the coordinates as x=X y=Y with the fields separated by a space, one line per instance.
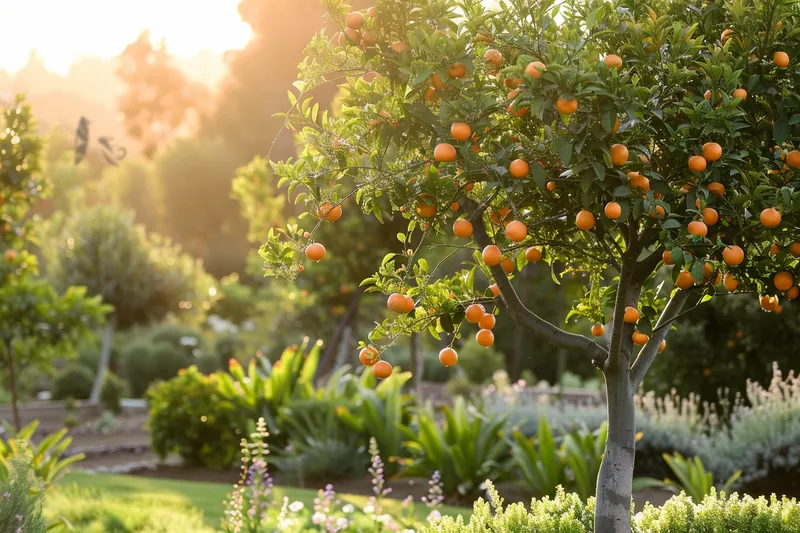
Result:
x=75 y=382
x=22 y=501
x=44 y=457
x=567 y=513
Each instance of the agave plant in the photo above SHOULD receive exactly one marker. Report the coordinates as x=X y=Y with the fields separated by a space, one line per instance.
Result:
x=467 y=449
x=380 y=412
x=45 y=458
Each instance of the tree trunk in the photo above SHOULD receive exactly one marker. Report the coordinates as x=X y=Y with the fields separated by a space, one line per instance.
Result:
x=12 y=386
x=416 y=361
x=328 y=356
x=105 y=359
x=613 y=504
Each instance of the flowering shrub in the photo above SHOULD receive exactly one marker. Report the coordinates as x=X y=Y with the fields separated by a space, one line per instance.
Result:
x=22 y=498
x=567 y=513
x=762 y=439
x=252 y=508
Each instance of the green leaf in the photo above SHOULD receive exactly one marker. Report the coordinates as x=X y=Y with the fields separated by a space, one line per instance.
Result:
x=565 y=153
x=622 y=191
x=697 y=271
x=600 y=170
x=586 y=181
x=671 y=223
x=781 y=129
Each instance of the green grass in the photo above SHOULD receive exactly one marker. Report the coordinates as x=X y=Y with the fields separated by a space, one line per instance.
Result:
x=149 y=504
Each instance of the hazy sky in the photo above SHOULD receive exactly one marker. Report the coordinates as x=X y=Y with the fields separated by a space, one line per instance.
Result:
x=64 y=30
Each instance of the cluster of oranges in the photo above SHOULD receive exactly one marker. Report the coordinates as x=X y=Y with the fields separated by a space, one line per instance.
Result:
x=631 y=316
x=476 y=314
x=327 y=211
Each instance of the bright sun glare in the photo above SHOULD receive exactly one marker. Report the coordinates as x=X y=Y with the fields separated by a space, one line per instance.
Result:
x=63 y=31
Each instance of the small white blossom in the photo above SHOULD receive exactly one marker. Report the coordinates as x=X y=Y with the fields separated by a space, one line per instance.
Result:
x=348 y=508
x=296 y=507
x=318 y=518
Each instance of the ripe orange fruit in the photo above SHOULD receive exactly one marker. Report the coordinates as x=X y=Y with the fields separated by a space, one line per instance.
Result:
x=584 y=220
x=793 y=293
x=716 y=188
x=639 y=338
x=667 y=257
x=794 y=248
x=458 y=70
x=315 y=251
x=707 y=95
x=697 y=163
x=368 y=39
x=454 y=206
x=508 y=265
x=329 y=212
x=613 y=210
x=566 y=107
x=436 y=81
x=612 y=61
x=726 y=34
x=697 y=228
x=778 y=309
x=487 y=321
x=460 y=131
x=368 y=356
x=397 y=303
x=615 y=129
x=485 y=337
x=712 y=151
x=770 y=217
x=740 y=93
x=780 y=59
x=710 y=216
x=306 y=235
x=774 y=249
x=662 y=346
x=783 y=281
x=684 y=280
x=513 y=83
x=462 y=228
x=474 y=313
x=708 y=271
x=382 y=370
x=732 y=255
x=426 y=210
x=598 y=330
x=354 y=20
x=351 y=36
x=495 y=290
x=430 y=94
x=533 y=254
x=551 y=186
x=502 y=214
x=619 y=154
x=409 y=303
x=448 y=356
x=638 y=181
x=519 y=168
x=493 y=57
x=516 y=231
x=631 y=315
x=730 y=282
x=768 y=303
x=793 y=159
x=535 y=69
x=444 y=153
x=492 y=255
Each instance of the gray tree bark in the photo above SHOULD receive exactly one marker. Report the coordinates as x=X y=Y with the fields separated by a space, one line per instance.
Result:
x=105 y=359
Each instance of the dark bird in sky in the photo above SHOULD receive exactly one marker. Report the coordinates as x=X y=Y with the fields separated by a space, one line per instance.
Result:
x=111 y=154
x=81 y=139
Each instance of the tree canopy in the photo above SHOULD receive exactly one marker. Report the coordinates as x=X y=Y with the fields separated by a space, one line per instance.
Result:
x=38 y=322
x=605 y=139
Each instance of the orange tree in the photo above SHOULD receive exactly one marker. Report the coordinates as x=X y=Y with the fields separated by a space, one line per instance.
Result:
x=608 y=137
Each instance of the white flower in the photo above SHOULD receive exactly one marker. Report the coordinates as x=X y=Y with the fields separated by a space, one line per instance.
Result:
x=348 y=508
x=384 y=519
x=342 y=523
x=318 y=518
x=409 y=531
x=434 y=516
x=369 y=509
x=296 y=507
x=285 y=524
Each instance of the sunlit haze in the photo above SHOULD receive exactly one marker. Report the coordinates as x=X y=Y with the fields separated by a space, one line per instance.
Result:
x=62 y=32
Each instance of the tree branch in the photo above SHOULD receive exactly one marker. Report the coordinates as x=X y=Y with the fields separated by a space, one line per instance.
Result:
x=649 y=351
x=524 y=316
x=618 y=329
x=646 y=266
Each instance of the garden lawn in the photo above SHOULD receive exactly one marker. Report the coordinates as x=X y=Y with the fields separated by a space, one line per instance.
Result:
x=93 y=501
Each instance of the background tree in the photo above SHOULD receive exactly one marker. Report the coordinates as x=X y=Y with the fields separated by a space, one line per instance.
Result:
x=669 y=150
x=159 y=102
x=38 y=323
x=144 y=277
x=254 y=89
x=194 y=177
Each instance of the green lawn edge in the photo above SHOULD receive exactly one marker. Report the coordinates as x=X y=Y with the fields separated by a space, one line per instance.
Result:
x=208 y=498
